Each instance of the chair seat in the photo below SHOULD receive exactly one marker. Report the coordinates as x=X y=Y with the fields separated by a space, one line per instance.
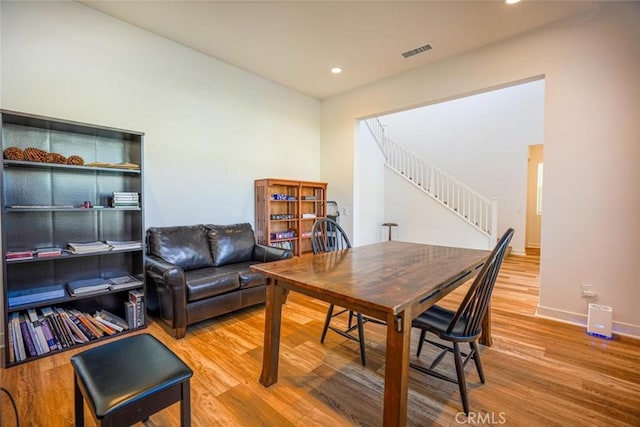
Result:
x=437 y=320
x=123 y=372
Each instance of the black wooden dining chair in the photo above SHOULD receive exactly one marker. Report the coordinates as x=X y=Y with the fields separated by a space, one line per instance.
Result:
x=328 y=236
x=462 y=325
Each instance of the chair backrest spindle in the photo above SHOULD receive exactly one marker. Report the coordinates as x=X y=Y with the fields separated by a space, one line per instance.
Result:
x=328 y=236
x=476 y=301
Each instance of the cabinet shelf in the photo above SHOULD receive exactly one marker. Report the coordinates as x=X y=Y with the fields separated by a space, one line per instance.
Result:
x=40 y=208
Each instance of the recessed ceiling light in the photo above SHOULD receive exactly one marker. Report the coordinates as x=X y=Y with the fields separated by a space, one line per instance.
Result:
x=336 y=70
x=511 y=1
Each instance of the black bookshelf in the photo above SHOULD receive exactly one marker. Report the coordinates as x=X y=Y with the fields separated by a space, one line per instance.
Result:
x=42 y=206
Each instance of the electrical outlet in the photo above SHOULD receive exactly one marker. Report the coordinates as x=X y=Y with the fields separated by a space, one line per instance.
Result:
x=587 y=291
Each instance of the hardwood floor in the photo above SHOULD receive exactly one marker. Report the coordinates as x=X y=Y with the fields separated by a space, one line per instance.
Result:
x=539 y=372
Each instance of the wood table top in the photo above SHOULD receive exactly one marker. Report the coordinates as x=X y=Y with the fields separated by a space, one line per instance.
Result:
x=386 y=277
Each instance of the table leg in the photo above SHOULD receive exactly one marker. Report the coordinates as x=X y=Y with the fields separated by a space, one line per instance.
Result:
x=396 y=375
x=273 y=317
x=485 y=338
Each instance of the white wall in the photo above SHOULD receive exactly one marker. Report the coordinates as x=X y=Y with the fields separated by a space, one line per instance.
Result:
x=211 y=129
x=592 y=155
x=370 y=192
x=480 y=140
x=421 y=219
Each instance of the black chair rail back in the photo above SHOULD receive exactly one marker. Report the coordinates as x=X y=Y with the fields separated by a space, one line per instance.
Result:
x=475 y=303
x=328 y=236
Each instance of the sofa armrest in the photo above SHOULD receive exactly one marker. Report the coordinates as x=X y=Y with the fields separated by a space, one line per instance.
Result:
x=264 y=253
x=169 y=293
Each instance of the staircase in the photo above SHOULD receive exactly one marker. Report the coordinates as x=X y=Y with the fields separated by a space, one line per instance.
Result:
x=469 y=205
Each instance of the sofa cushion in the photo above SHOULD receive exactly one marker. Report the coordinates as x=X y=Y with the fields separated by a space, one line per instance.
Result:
x=230 y=243
x=248 y=278
x=185 y=246
x=209 y=282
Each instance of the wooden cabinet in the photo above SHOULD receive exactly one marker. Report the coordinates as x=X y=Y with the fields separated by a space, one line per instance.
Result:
x=286 y=211
x=48 y=204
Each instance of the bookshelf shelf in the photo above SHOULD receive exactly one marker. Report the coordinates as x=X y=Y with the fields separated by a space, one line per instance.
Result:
x=40 y=208
x=89 y=169
x=86 y=210
x=70 y=256
x=306 y=199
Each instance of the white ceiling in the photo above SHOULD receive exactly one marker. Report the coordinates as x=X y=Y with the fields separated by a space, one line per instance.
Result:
x=295 y=43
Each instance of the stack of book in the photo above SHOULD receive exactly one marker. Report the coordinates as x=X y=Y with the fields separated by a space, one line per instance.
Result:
x=124 y=282
x=33 y=295
x=121 y=245
x=86 y=248
x=125 y=199
x=88 y=286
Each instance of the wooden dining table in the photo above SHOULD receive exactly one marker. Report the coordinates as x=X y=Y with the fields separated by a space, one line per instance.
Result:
x=390 y=281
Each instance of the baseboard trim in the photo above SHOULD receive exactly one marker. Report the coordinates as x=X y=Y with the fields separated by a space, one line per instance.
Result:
x=517 y=252
x=533 y=245
x=619 y=328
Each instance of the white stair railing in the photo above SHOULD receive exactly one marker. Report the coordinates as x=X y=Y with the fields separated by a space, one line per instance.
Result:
x=471 y=206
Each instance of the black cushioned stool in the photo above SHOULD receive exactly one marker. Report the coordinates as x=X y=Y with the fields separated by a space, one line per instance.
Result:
x=126 y=381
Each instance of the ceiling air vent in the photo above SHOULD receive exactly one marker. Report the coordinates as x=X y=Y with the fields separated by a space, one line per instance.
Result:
x=416 y=51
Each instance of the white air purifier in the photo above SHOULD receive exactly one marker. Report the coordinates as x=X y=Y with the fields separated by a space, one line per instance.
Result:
x=599 y=321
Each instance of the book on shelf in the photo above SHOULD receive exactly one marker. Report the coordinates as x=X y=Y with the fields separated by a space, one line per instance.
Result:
x=18 y=255
x=283 y=245
x=18 y=342
x=111 y=320
x=34 y=337
x=42 y=342
x=124 y=282
x=48 y=252
x=125 y=199
x=88 y=286
x=54 y=324
x=89 y=247
x=82 y=327
x=86 y=319
x=103 y=327
x=130 y=314
x=120 y=245
x=76 y=333
x=33 y=295
x=10 y=338
x=29 y=345
x=49 y=333
x=137 y=298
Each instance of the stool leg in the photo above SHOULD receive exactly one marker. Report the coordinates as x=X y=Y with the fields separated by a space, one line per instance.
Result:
x=78 y=403
x=185 y=405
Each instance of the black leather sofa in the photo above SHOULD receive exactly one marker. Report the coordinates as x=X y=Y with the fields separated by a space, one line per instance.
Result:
x=201 y=271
